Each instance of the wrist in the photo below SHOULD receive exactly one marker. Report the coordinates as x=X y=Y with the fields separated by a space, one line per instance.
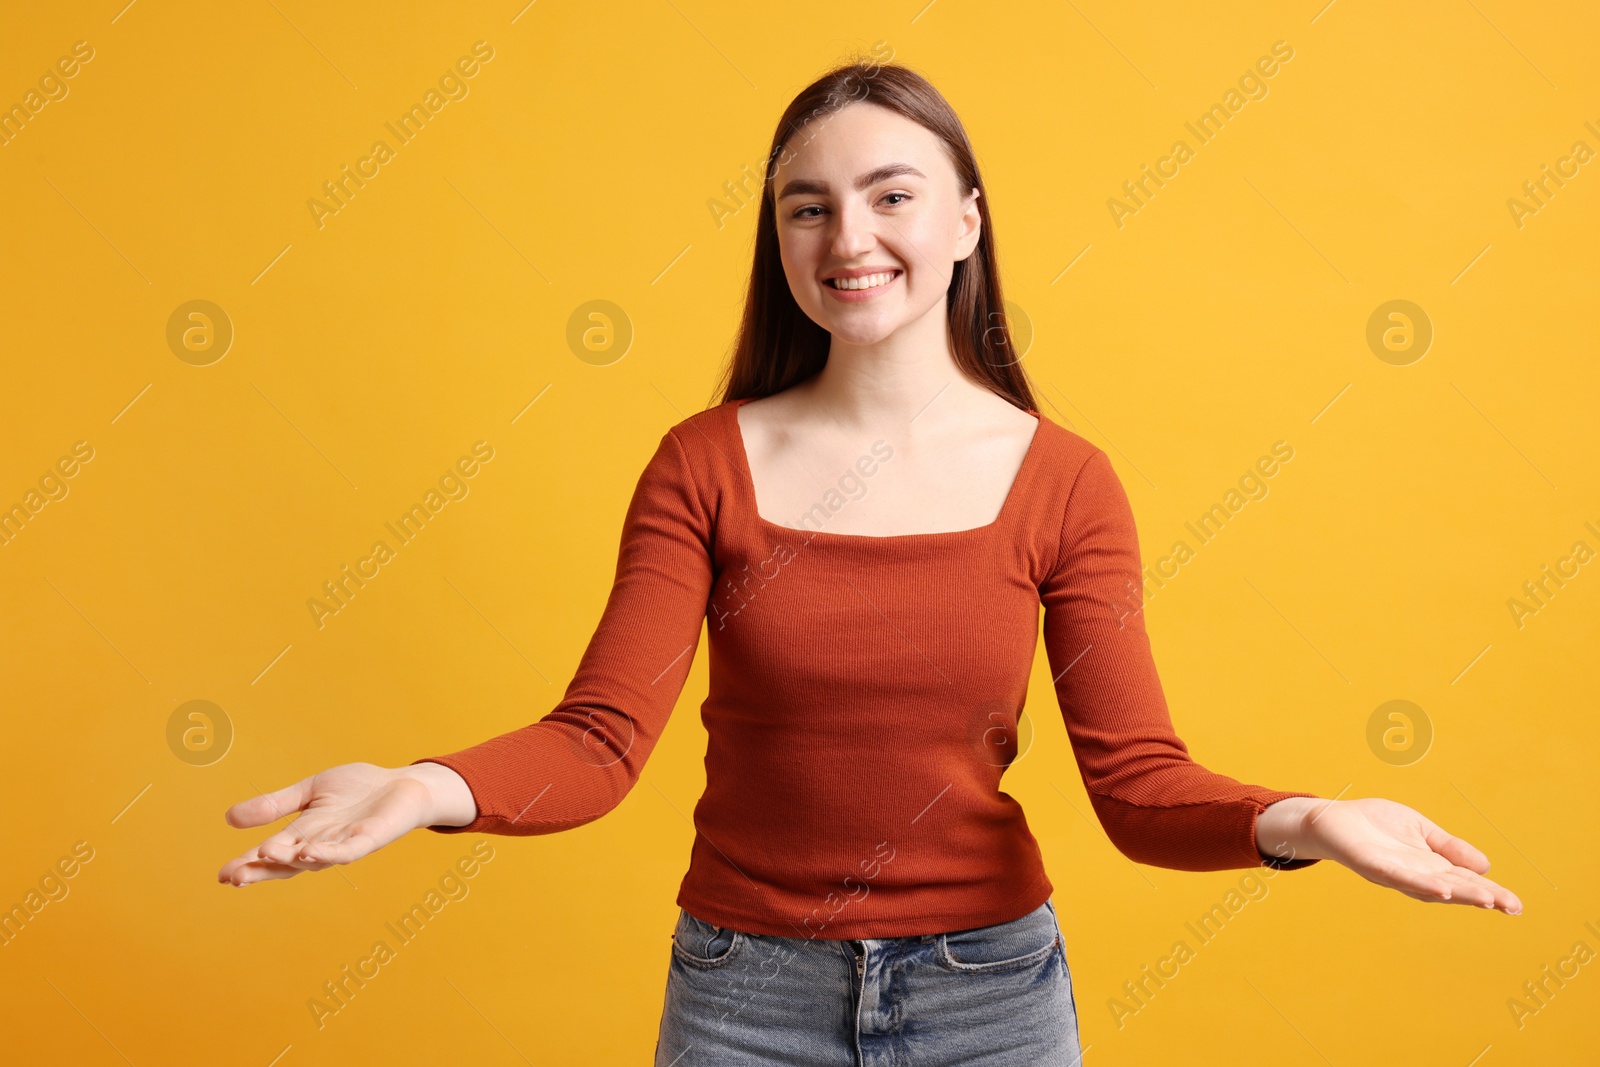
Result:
x=447 y=800
x=1284 y=828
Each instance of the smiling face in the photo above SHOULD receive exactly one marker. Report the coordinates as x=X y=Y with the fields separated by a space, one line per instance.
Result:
x=871 y=196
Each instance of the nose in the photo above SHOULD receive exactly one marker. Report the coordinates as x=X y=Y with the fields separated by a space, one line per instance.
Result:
x=854 y=228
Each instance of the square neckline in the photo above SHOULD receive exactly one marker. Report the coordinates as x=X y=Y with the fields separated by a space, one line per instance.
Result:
x=1006 y=507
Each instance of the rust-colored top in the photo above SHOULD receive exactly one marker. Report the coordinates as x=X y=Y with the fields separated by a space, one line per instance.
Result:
x=863 y=698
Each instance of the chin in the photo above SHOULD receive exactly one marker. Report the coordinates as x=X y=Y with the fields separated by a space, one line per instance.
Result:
x=861 y=333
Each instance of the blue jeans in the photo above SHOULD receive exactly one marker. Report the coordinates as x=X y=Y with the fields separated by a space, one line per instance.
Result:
x=992 y=996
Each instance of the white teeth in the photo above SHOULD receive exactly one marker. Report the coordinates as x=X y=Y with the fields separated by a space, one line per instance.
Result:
x=869 y=281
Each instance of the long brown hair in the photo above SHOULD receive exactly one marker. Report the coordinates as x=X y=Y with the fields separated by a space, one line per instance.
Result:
x=778 y=345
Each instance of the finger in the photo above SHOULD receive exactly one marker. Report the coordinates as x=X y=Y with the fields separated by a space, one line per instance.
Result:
x=1460 y=889
x=231 y=870
x=283 y=849
x=1426 y=898
x=1453 y=886
x=244 y=873
x=278 y=848
x=1475 y=889
x=1414 y=881
x=268 y=872
x=279 y=860
x=352 y=848
x=1457 y=850
x=269 y=807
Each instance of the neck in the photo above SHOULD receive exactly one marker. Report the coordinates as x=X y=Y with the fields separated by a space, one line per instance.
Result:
x=909 y=375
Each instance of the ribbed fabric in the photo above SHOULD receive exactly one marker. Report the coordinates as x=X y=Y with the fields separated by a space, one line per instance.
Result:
x=863 y=699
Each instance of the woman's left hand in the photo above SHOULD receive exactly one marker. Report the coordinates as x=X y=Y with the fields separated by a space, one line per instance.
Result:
x=1387 y=843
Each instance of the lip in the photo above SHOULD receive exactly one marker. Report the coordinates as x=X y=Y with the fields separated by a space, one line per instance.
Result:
x=856 y=296
x=857 y=272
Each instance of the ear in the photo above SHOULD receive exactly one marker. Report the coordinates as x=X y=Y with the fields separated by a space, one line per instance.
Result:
x=971 y=227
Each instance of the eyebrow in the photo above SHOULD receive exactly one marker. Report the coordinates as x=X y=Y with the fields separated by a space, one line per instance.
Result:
x=813 y=186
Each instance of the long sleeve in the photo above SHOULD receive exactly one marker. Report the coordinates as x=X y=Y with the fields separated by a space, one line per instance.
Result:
x=579 y=761
x=1156 y=804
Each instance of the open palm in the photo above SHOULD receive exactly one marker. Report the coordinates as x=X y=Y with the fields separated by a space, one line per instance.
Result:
x=1399 y=847
x=348 y=811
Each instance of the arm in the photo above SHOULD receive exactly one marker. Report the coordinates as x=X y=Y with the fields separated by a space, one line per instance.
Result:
x=1157 y=805
x=1160 y=807
x=578 y=762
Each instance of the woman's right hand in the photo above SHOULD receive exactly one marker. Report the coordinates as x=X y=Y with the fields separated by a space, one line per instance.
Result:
x=347 y=811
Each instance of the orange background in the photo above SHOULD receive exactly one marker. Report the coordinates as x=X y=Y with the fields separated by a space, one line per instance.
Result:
x=371 y=349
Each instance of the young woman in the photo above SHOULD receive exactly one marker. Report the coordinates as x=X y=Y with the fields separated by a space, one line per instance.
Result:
x=867 y=526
